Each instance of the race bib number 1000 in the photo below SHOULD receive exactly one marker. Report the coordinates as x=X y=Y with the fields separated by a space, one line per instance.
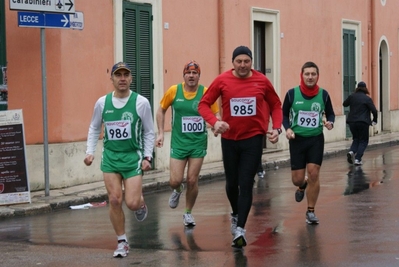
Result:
x=244 y=106
x=118 y=130
x=193 y=124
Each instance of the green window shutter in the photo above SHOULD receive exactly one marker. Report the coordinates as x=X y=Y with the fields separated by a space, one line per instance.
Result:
x=349 y=62
x=137 y=33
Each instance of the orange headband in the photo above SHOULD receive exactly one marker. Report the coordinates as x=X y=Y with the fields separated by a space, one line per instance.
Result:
x=192 y=65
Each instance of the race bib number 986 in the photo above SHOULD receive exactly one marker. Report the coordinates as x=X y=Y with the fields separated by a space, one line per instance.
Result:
x=309 y=119
x=118 y=130
x=244 y=106
x=192 y=124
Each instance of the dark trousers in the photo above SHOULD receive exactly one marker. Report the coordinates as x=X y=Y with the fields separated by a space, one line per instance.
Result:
x=360 y=138
x=241 y=161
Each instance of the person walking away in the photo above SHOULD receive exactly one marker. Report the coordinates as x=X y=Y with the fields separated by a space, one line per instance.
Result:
x=361 y=107
x=248 y=98
x=127 y=152
x=189 y=136
x=303 y=110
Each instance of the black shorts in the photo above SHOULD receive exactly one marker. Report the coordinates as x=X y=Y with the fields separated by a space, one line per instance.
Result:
x=304 y=150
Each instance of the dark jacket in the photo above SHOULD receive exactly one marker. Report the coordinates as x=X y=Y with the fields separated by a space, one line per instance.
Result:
x=360 y=106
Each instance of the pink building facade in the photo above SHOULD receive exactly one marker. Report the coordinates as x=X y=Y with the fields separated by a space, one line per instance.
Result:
x=351 y=41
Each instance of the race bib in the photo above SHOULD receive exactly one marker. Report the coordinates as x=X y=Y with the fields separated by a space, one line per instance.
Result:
x=309 y=119
x=244 y=106
x=118 y=130
x=192 y=124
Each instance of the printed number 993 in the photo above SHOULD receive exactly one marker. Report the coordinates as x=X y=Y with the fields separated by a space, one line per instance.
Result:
x=308 y=122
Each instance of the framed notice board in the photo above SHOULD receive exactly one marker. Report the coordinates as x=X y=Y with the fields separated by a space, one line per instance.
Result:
x=14 y=184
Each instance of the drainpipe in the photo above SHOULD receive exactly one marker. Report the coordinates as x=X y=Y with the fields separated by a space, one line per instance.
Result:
x=221 y=33
x=372 y=52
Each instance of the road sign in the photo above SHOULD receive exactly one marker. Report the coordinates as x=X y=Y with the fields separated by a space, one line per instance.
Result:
x=51 y=20
x=57 y=6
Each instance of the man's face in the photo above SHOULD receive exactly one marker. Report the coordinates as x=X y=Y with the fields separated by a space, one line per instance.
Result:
x=310 y=76
x=121 y=80
x=191 y=78
x=242 y=65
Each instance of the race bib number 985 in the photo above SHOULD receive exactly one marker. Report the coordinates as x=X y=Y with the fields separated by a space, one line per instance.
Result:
x=244 y=106
x=192 y=124
x=118 y=130
x=309 y=119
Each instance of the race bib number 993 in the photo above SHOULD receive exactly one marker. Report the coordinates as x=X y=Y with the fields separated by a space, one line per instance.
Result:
x=309 y=119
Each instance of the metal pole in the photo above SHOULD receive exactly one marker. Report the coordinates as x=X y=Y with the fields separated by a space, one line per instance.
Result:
x=44 y=107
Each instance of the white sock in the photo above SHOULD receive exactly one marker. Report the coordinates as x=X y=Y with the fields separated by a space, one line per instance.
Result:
x=122 y=237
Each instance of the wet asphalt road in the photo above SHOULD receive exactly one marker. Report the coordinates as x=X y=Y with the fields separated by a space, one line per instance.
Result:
x=357 y=208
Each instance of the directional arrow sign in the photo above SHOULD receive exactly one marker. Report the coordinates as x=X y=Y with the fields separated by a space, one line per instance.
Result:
x=57 y=6
x=56 y=20
x=51 y=20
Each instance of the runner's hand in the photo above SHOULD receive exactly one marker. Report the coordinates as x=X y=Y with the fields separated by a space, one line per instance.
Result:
x=273 y=136
x=88 y=159
x=290 y=134
x=145 y=165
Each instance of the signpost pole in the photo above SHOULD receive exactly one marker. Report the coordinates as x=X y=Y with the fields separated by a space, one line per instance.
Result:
x=44 y=107
x=66 y=18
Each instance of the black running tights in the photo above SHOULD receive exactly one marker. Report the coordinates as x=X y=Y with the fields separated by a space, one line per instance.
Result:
x=241 y=160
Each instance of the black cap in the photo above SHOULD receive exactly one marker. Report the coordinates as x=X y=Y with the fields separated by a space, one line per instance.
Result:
x=242 y=50
x=361 y=84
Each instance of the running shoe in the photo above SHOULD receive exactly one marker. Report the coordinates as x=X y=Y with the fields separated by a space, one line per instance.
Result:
x=188 y=219
x=358 y=162
x=261 y=174
x=122 y=250
x=239 y=240
x=300 y=192
x=141 y=213
x=233 y=220
x=350 y=157
x=311 y=218
x=174 y=197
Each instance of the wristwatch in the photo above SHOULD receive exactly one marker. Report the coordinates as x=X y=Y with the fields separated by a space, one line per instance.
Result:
x=278 y=130
x=148 y=159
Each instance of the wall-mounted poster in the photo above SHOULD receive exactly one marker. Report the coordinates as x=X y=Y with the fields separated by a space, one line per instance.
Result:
x=14 y=184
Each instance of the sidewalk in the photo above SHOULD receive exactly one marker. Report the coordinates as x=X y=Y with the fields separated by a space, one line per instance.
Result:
x=158 y=180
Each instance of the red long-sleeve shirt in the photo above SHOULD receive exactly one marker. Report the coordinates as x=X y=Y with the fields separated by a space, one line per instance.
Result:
x=239 y=97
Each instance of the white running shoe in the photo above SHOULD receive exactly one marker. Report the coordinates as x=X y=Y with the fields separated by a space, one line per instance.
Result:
x=239 y=240
x=188 y=219
x=122 y=250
